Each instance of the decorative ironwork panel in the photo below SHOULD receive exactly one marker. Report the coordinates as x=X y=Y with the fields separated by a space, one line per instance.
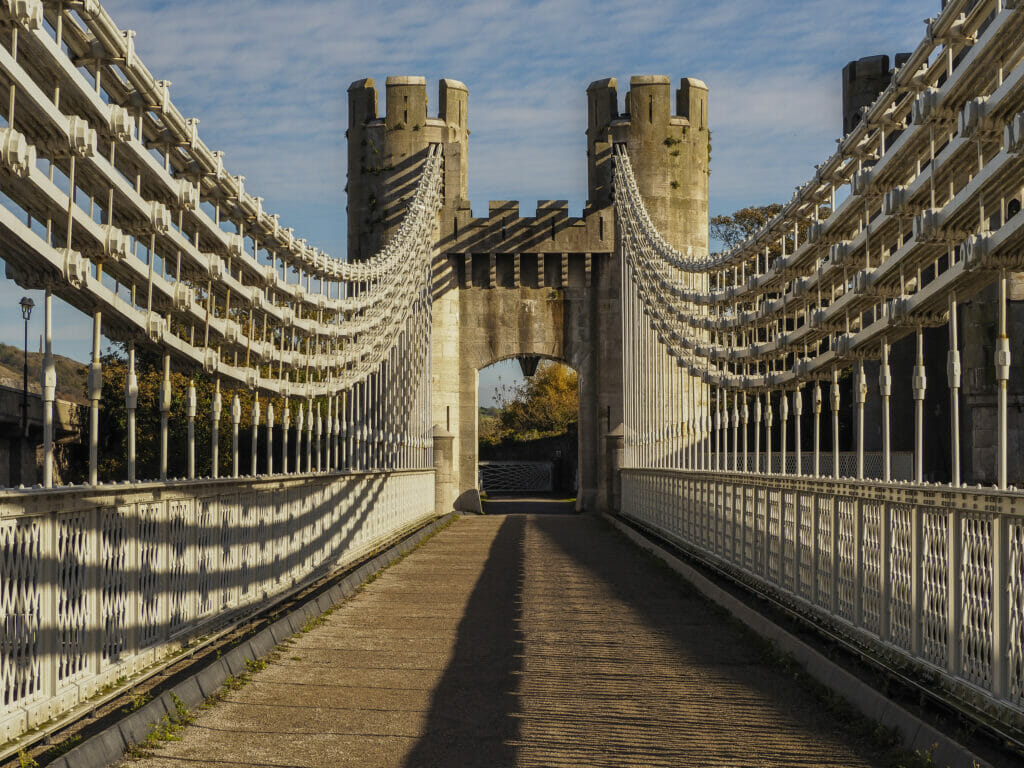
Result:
x=872 y=597
x=826 y=557
x=151 y=595
x=788 y=543
x=773 y=533
x=976 y=641
x=760 y=529
x=805 y=546
x=749 y=518
x=179 y=565
x=1016 y=606
x=114 y=590
x=516 y=476
x=901 y=574
x=72 y=594
x=846 y=554
x=206 y=555
x=229 y=541
x=935 y=586
x=20 y=577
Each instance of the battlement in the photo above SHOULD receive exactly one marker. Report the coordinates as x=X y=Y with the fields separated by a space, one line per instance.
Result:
x=386 y=150
x=406 y=103
x=666 y=133
x=550 y=230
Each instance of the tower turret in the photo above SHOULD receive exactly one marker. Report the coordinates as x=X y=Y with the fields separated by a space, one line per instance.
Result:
x=670 y=154
x=385 y=154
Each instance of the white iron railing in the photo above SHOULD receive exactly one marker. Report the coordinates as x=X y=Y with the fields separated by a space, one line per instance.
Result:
x=516 y=476
x=98 y=584
x=930 y=576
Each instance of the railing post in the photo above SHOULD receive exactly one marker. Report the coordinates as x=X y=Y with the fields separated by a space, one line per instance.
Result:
x=270 y=437
x=885 y=391
x=757 y=432
x=735 y=433
x=798 y=411
x=190 y=415
x=783 y=424
x=338 y=399
x=860 y=394
x=49 y=390
x=953 y=375
x=318 y=448
x=817 y=427
x=309 y=434
x=835 y=423
x=131 y=401
x=300 y=420
x=1002 y=365
x=95 y=396
x=286 y=426
x=216 y=407
x=165 y=410
x=329 y=443
x=236 y=418
x=746 y=431
x=254 y=463
x=919 y=384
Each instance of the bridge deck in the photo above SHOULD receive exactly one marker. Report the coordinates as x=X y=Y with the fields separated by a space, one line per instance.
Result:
x=521 y=640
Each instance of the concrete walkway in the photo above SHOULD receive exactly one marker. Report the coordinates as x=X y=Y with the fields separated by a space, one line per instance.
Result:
x=520 y=640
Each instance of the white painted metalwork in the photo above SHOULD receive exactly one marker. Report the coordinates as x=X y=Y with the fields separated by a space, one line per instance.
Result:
x=919 y=576
x=516 y=476
x=113 y=203
x=99 y=584
x=928 y=573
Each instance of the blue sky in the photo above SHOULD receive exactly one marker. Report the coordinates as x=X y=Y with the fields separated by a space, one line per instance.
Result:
x=268 y=80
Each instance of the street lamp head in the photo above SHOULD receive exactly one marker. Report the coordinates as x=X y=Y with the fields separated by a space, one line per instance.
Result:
x=26 y=307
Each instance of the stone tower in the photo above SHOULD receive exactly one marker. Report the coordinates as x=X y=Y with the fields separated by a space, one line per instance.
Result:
x=385 y=153
x=542 y=286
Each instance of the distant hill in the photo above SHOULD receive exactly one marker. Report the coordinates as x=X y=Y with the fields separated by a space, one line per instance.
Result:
x=72 y=376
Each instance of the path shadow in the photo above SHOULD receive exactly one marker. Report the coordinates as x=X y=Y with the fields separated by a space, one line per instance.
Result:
x=537 y=504
x=471 y=719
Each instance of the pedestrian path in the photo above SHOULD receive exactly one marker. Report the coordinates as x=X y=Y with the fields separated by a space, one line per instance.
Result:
x=521 y=640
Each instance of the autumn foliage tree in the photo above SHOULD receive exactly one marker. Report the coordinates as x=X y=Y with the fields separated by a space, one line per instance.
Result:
x=543 y=405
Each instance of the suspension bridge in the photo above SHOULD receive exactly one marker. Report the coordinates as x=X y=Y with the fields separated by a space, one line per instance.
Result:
x=828 y=413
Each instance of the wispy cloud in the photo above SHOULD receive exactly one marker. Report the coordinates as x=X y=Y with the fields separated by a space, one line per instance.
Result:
x=268 y=81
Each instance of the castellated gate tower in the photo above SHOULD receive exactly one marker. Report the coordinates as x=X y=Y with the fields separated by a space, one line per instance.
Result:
x=542 y=286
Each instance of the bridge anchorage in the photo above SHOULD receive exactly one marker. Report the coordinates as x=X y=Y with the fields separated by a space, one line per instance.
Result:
x=887 y=291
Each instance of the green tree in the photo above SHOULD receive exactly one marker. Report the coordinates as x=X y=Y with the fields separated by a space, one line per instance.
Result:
x=732 y=229
x=113 y=423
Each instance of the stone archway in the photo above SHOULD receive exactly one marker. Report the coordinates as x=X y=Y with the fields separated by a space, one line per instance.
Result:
x=537 y=464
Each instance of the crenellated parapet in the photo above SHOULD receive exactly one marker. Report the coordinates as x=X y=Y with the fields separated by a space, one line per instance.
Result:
x=385 y=153
x=670 y=150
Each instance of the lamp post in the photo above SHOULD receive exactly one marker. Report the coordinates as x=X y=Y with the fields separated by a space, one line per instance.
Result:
x=26 y=312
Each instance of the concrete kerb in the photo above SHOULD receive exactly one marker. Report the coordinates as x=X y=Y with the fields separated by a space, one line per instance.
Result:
x=915 y=734
x=110 y=745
